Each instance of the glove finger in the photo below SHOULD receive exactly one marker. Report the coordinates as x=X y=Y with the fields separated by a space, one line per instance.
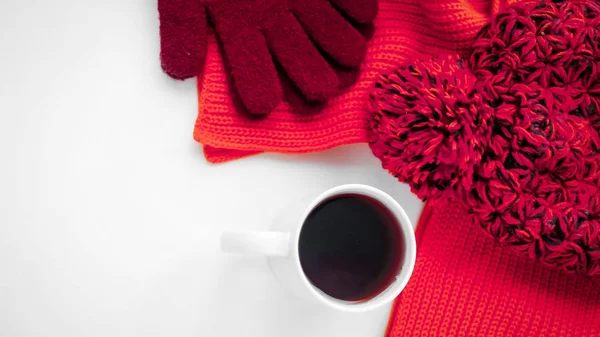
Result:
x=253 y=72
x=331 y=32
x=183 y=39
x=361 y=11
x=300 y=59
x=347 y=76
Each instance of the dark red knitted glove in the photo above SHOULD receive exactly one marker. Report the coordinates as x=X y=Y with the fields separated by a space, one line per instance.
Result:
x=183 y=28
x=256 y=32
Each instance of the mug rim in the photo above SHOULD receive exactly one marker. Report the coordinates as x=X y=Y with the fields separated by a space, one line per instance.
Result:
x=407 y=266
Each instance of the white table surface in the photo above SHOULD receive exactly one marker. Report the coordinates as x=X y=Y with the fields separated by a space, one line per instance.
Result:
x=109 y=213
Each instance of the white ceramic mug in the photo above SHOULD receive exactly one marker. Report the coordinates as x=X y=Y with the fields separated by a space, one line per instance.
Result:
x=281 y=246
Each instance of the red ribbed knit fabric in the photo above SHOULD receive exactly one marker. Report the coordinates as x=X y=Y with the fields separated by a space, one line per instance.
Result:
x=464 y=284
x=403 y=28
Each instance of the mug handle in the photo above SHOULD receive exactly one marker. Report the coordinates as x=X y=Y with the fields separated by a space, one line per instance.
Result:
x=256 y=243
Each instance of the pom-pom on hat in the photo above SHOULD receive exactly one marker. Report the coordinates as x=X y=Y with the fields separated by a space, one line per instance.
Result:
x=511 y=132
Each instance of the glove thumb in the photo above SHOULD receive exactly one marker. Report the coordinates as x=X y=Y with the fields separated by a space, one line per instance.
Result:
x=183 y=37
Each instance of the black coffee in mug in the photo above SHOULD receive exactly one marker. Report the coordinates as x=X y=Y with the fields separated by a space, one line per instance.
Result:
x=351 y=247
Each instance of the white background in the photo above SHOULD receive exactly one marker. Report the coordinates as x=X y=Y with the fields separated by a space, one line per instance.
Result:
x=109 y=214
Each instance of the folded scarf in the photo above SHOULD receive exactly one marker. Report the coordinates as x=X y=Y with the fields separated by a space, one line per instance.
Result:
x=402 y=28
x=464 y=284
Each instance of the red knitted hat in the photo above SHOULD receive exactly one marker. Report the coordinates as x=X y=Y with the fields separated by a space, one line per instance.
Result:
x=512 y=133
x=403 y=28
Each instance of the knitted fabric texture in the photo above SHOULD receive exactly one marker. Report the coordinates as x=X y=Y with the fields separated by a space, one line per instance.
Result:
x=464 y=286
x=402 y=28
x=514 y=137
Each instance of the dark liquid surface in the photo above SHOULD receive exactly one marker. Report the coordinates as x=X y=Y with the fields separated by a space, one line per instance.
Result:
x=351 y=247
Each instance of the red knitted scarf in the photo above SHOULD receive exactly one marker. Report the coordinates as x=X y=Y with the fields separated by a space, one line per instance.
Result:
x=466 y=285
x=403 y=28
